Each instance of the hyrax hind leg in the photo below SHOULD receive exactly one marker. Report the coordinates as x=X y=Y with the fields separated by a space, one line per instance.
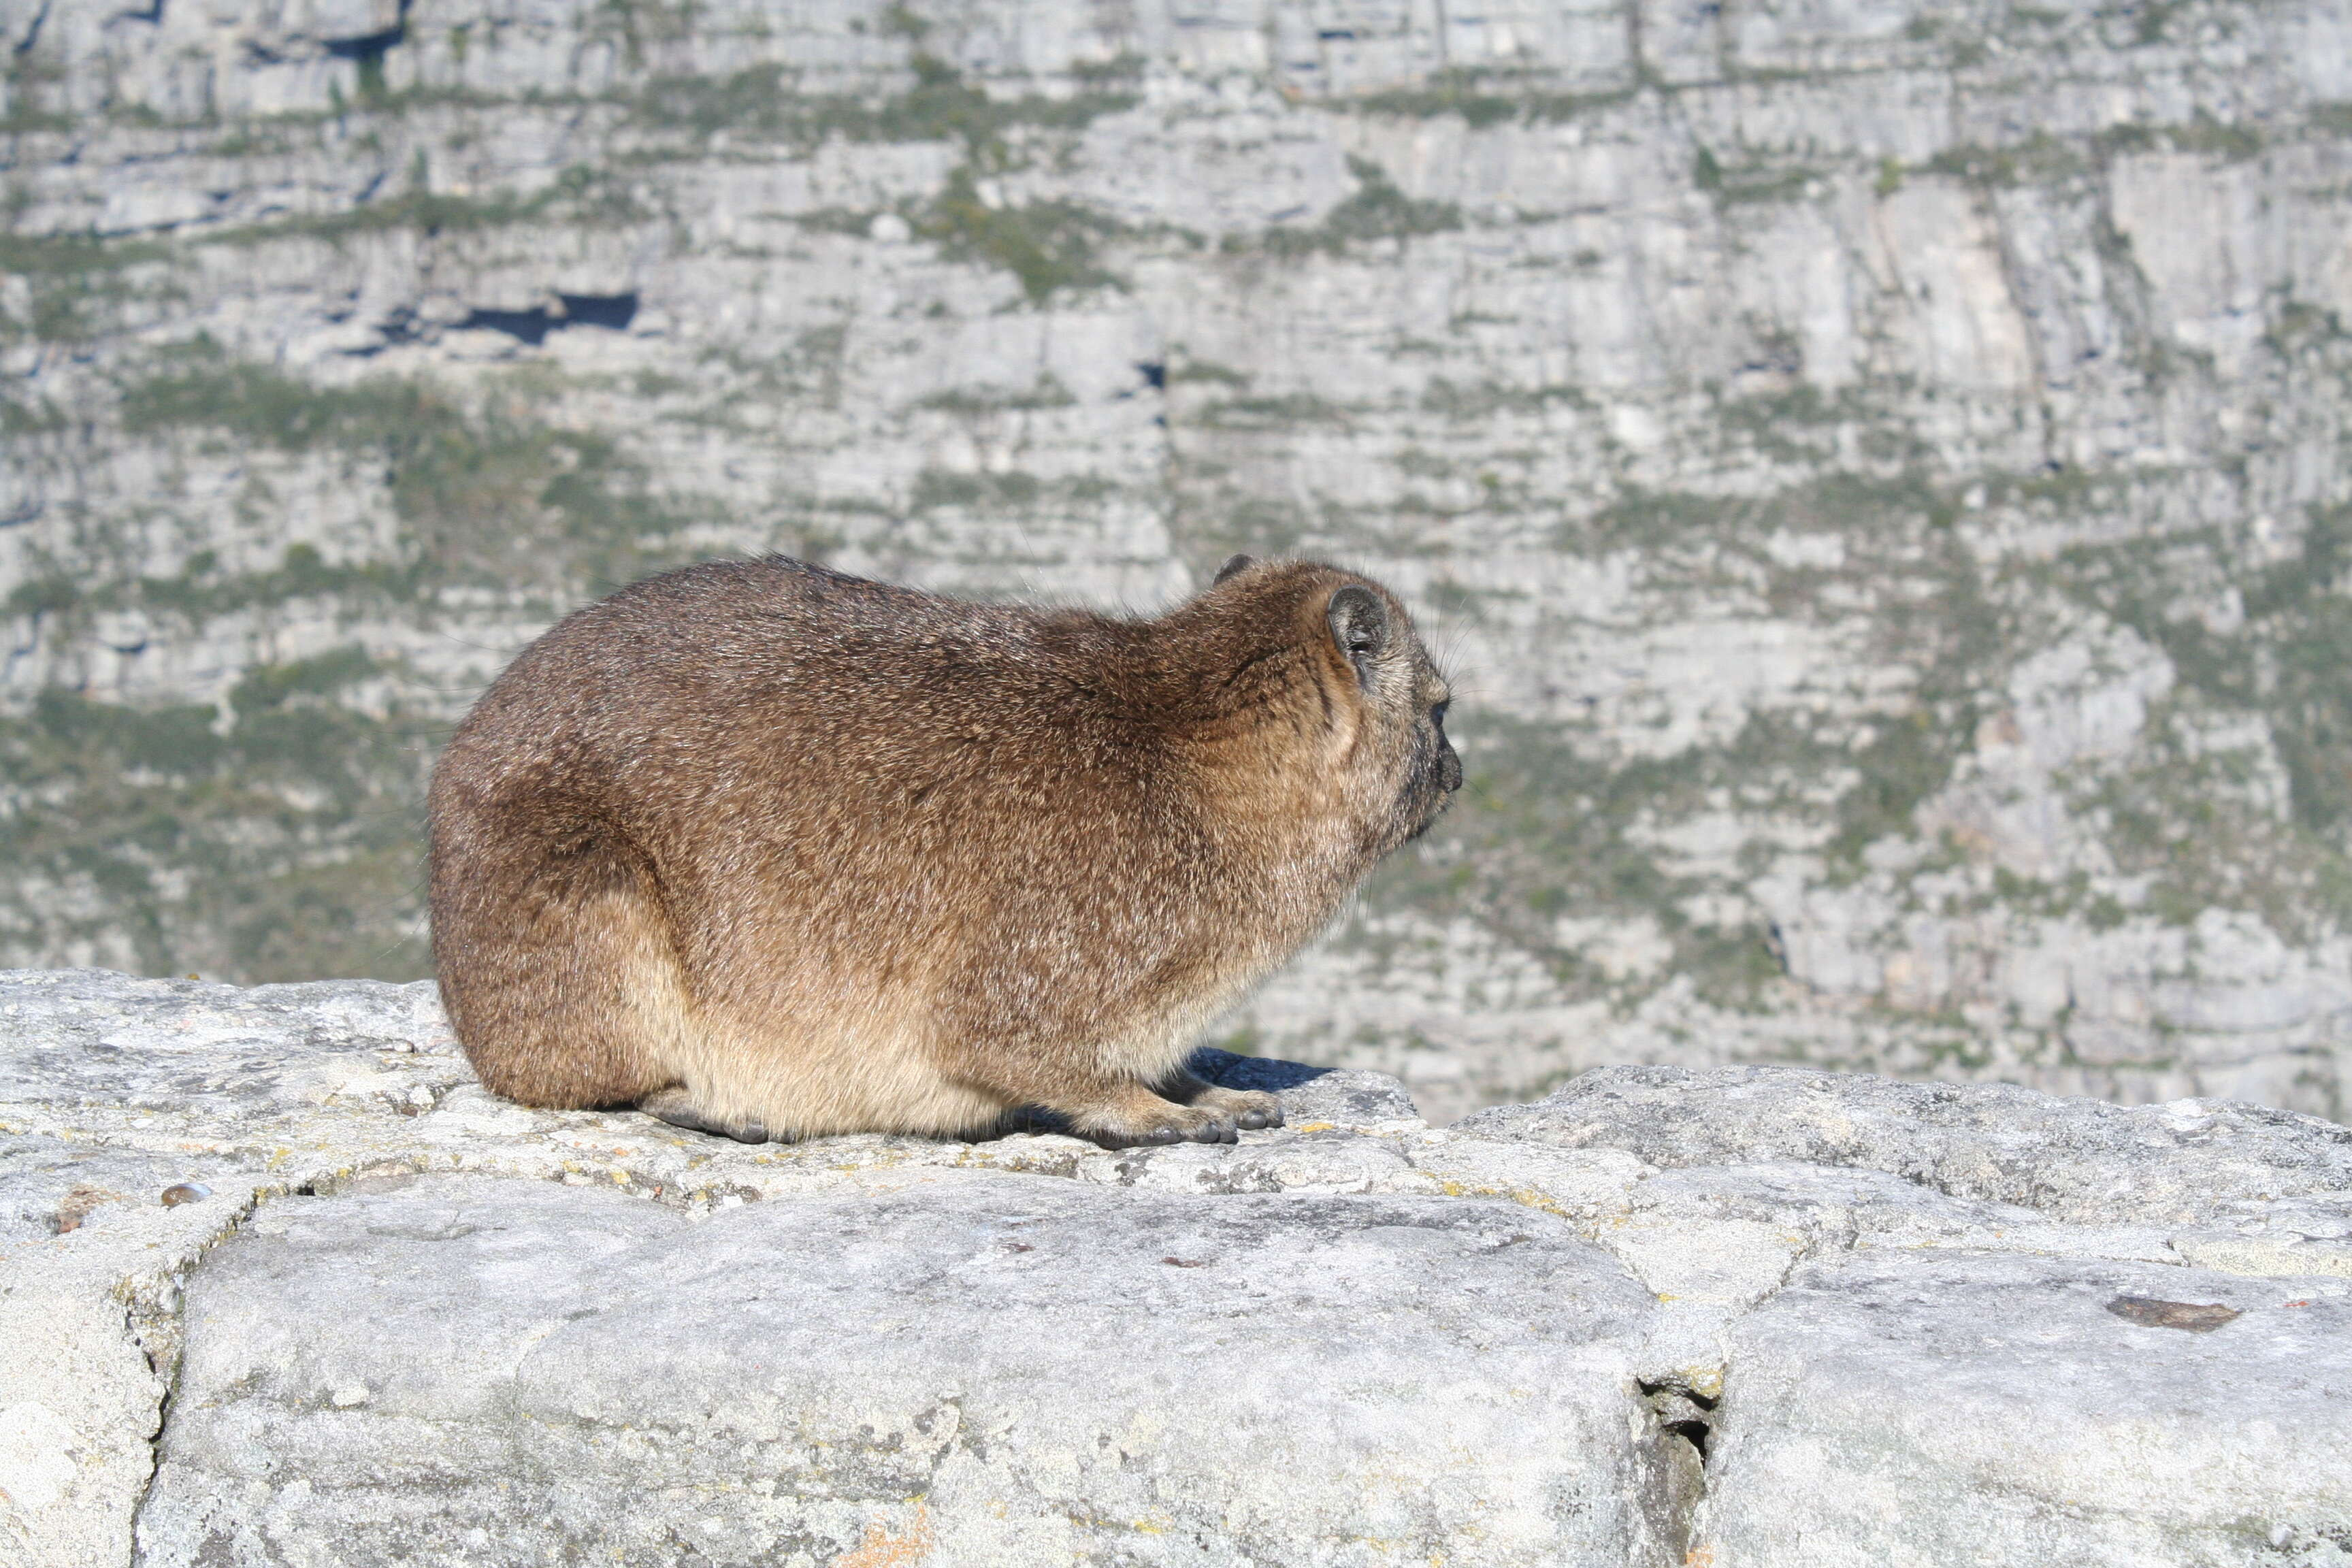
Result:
x=555 y=961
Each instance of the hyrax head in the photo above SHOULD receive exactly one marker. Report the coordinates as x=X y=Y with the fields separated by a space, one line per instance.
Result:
x=1390 y=691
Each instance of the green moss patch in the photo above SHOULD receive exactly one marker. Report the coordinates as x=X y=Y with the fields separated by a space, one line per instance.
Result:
x=1048 y=246
x=1376 y=210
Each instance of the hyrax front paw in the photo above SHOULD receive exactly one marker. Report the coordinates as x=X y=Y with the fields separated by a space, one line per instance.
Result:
x=679 y=1109
x=1248 y=1107
x=1155 y=1121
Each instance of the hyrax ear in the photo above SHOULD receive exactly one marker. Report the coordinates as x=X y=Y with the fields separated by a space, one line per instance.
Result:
x=1360 y=625
x=1234 y=567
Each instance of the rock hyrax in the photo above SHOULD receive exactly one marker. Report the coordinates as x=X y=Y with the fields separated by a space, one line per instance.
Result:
x=771 y=851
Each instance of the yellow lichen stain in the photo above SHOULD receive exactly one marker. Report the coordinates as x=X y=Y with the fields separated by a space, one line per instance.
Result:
x=1529 y=1198
x=880 y=1549
x=1699 y=1557
x=1315 y=1127
x=1524 y=1196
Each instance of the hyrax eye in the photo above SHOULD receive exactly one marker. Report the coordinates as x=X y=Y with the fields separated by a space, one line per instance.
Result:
x=1437 y=714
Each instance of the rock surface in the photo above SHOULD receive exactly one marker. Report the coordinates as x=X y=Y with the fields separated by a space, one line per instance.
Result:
x=1880 y=467
x=989 y=1370
x=1762 y=1317
x=2188 y=1160
x=1937 y=1408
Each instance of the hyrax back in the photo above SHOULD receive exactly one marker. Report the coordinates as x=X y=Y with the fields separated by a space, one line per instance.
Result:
x=773 y=851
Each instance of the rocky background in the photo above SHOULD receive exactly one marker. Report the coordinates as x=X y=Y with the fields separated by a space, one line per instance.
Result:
x=1875 y=468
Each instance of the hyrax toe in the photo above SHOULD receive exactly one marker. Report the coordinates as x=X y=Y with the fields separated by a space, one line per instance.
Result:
x=1245 y=1108
x=1216 y=1130
x=1156 y=1123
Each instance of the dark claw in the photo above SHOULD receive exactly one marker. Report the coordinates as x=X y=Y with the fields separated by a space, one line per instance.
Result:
x=1254 y=1119
x=1159 y=1136
x=749 y=1133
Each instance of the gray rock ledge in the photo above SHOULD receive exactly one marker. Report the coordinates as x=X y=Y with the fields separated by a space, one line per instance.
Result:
x=1745 y=1317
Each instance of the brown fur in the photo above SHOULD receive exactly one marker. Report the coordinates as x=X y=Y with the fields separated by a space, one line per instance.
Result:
x=770 y=850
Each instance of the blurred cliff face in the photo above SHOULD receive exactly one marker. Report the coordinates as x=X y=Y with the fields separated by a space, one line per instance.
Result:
x=1876 y=472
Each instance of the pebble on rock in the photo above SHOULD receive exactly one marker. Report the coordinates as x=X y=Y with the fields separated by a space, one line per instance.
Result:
x=2192 y=1317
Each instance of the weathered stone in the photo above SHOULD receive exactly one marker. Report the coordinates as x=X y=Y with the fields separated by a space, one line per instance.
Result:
x=130 y=1085
x=88 y=1335
x=982 y=1369
x=1592 y=1186
x=44 y=1182
x=404 y=1326
x=2080 y=1160
x=1964 y=1408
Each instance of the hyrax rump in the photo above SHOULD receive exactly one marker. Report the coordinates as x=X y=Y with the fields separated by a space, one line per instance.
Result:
x=771 y=851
